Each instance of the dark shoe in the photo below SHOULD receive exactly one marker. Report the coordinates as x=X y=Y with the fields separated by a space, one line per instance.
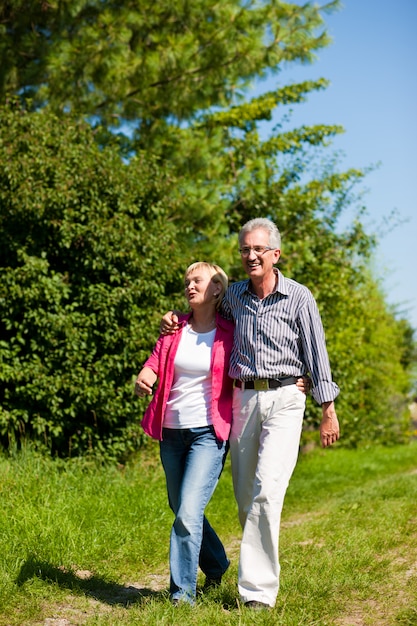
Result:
x=212 y=583
x=256 y=606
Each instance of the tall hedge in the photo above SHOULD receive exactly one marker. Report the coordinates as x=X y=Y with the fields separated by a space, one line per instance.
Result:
x=87 y=253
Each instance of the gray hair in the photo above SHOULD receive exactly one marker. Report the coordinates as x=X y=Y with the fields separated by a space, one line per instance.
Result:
x=265 y=224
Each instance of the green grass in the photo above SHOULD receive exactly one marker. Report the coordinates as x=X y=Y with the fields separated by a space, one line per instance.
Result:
x=89 y=544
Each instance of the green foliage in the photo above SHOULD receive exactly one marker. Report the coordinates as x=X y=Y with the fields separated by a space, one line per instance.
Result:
x=81 y=236
x=96 y=229
x=367 y=346
x=147 y=62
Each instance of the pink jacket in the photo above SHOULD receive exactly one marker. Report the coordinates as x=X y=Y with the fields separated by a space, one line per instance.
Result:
x=161 y=362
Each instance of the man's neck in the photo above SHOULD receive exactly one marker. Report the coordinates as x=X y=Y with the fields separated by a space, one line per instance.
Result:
x=264 y=285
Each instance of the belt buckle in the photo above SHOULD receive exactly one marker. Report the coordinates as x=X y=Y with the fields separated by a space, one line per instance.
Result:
x=260 y=384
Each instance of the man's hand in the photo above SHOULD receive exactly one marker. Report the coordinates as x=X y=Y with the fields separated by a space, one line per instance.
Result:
x=144 y=382
x=169 y=323
x=304 y=384
x=329 y=427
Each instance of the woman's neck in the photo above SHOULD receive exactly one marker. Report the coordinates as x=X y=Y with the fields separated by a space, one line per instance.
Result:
x=203 y=321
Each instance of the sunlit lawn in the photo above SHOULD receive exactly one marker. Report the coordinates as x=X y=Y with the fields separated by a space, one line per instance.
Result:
x=89 y=544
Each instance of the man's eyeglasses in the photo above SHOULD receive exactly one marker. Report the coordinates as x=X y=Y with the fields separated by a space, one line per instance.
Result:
x=258 y=250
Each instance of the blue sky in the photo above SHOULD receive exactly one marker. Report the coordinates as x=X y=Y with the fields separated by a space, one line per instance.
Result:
x=372 y=68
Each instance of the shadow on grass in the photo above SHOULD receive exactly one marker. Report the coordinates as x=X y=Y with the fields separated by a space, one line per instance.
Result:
x=96 y=587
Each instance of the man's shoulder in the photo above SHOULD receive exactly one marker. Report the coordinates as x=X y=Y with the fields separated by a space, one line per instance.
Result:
x=226 y=325
x=237 y=287
x=294 y=284
x=297 y=293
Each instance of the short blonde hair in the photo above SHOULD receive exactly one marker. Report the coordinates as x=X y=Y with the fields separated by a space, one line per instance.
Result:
x=218 y=276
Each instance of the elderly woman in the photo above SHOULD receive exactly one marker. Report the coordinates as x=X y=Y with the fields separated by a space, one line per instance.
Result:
x=191 y=414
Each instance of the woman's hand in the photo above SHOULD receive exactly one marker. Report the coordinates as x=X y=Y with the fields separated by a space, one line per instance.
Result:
x=144 y=382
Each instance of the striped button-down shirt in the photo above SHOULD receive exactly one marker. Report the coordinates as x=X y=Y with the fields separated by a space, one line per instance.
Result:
x=280 y=335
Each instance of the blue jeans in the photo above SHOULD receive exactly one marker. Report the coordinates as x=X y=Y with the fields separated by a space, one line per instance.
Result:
x=193 y=460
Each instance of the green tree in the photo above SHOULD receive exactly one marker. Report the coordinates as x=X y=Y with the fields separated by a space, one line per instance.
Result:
x=151 y=63
x=174 y=76
x=82 y=281
x=171 y=79
x=158 y=71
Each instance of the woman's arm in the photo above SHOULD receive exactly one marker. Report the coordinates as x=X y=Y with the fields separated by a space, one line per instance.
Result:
x=145 y=381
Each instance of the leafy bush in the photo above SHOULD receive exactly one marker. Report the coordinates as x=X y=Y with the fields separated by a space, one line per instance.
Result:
x=83 y=238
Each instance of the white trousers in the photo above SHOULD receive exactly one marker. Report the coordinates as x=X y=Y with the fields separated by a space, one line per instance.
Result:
x=264 y=444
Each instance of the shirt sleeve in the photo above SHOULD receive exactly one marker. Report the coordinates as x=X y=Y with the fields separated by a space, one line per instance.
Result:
x=153 y=360
x=225 y=310
x=315 y=352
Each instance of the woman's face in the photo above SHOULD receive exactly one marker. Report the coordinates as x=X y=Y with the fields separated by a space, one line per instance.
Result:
x=200 y=290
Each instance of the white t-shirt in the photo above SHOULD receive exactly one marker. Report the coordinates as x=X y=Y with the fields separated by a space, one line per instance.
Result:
x=189 y=402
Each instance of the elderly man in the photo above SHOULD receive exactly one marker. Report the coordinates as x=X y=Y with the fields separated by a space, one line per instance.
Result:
x=278 y=338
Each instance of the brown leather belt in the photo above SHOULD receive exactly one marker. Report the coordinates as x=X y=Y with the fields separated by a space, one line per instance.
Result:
x=263 y=384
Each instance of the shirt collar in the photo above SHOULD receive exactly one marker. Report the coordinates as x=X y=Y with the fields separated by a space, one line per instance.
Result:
x=280 y=285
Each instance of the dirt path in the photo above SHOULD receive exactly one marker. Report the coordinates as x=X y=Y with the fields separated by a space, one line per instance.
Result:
x=394 y=597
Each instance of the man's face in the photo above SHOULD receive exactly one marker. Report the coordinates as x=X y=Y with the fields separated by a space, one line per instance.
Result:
x=261 y=263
